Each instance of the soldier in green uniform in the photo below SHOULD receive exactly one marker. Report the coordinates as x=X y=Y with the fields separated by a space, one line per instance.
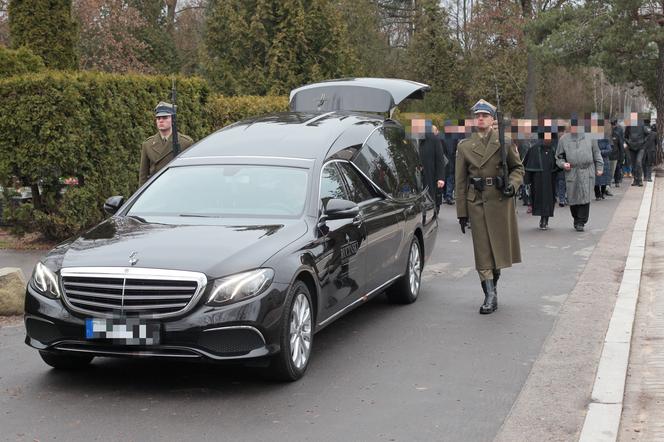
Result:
x=157 y=151
x=485 y=198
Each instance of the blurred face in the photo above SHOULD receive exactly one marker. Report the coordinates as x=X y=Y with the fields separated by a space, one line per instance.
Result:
x=164 y=123
x=417 y=127
x=483 y=121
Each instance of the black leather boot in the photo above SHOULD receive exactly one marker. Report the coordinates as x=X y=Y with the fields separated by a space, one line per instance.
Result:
x=496 y=277
x=490 y=297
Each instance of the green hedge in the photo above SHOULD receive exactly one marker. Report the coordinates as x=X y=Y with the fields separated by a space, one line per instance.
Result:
x=91 y=126
x=223 y=110
x=19 y=61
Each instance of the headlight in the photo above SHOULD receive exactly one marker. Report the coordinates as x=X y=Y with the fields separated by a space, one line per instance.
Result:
x=45 y=281
x=240 y=286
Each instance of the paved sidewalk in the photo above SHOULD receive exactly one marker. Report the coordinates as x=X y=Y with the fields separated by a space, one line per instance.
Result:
x=643 y=409
x=553 y=403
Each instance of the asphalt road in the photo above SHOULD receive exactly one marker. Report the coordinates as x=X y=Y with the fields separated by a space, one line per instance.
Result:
x=434 y=370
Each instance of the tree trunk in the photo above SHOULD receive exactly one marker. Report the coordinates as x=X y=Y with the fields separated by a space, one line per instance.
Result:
x=530 y=110
x=660 y=100
x=170 y=15
x=531 y=87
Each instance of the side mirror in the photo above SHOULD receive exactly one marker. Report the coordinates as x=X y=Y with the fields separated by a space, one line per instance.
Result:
x=340 y=209
x=113 y=203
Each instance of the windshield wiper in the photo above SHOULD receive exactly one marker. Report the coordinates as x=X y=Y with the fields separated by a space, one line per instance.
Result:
x=136 y=217
x=199 y=215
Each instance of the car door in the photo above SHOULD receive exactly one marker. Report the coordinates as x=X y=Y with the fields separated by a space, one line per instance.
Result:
x=341 y=263
x=383 y=216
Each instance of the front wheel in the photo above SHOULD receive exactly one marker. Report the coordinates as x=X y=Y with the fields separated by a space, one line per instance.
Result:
x=407 y=287
x=297 y=335
x=65 y=361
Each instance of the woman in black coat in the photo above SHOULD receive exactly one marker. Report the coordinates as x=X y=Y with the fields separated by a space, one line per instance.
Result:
x=541 y=172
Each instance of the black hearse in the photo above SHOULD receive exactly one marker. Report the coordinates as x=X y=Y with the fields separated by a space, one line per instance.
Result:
x=248 y=242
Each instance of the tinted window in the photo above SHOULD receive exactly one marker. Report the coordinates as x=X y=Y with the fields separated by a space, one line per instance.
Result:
x=225 y=190
x=391 y=161
x=406 y=162
x=375 y=160
x=331 y=184
x=359 y=189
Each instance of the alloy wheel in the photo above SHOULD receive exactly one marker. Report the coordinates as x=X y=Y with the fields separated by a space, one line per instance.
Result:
x=300 y=331
x=414 y=268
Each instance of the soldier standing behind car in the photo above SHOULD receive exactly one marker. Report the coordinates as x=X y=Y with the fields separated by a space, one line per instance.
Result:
x=157 y=151
x=485 y=199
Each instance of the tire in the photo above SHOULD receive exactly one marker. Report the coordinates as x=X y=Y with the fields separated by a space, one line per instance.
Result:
x=297 y=333
x=66 y=361
x=406 y=289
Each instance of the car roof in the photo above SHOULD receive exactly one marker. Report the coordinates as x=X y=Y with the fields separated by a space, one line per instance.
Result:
x=287 y=135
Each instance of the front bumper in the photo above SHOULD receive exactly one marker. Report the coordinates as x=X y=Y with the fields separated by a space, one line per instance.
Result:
x=243 y=331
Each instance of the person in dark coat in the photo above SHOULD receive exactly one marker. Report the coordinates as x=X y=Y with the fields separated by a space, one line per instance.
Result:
x=617 y=156
x=432 y=156
x=541 y=174
x=452 y=134
x=635 y=137
x=602 y=181
x=650 y=157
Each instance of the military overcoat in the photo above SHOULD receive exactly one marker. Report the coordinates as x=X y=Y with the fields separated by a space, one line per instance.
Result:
x=492 y=215
x=157 y=152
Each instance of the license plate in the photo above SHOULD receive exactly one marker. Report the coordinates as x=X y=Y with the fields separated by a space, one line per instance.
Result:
x=125 y=331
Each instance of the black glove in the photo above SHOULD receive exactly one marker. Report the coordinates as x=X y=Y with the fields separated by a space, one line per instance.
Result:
x=508 y=191
x=463 y=222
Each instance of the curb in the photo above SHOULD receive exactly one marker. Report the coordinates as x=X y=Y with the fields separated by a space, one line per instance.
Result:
x=605 y=409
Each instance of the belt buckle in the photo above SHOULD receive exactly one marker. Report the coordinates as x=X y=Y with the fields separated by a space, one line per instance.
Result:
x=488 y=181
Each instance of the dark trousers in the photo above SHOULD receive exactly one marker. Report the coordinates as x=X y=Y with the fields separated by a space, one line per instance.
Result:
x=580 y=213
x=618 y=174
x=561 y=188
x=648 y=161
x=636 y=158
x=600 y=190
x=448 y=190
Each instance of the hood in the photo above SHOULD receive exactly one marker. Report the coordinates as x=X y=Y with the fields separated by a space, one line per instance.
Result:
x=214 y=247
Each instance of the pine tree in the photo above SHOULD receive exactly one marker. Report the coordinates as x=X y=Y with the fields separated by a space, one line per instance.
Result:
x=47 y=28
x=272 y=46
x=432 y=56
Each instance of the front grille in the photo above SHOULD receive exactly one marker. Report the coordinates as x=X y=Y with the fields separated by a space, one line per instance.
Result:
x=131 y=291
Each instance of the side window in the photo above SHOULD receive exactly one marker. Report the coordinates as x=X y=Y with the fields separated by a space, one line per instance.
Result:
x=375 y=161
x=391 y=161
x=331 y=184
x=358 y=187
x=406 y=161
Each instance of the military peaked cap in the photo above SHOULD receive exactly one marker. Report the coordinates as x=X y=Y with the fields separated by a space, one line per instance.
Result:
x=483 y=106
x=164 y=109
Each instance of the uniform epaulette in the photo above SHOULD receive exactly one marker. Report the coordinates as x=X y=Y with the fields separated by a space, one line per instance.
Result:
x=186 y=137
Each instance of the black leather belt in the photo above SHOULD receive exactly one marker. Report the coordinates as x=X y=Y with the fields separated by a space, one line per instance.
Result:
x=486 y=181
x=481 y=183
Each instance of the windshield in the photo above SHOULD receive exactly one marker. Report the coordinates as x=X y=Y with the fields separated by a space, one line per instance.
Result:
x=225 y=191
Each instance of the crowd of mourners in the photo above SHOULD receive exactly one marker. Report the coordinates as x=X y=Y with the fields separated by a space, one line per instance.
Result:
x=563 y=158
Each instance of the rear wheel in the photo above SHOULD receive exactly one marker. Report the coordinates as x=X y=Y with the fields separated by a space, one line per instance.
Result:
x=296 y=335
x=65 y=361
x=407 y=287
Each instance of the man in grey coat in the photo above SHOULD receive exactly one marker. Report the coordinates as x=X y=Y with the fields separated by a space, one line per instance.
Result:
x=579 y=156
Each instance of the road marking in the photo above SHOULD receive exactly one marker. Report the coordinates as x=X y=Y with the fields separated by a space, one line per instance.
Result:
x=604 y=411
